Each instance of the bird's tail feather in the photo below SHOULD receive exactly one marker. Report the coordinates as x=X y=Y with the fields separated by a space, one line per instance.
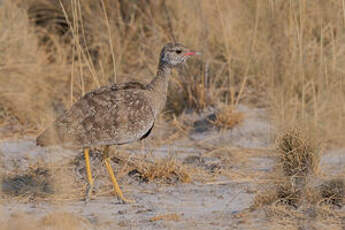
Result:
x=48 y=137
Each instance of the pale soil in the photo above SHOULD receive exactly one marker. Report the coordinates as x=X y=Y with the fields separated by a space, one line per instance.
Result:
x=243 y=156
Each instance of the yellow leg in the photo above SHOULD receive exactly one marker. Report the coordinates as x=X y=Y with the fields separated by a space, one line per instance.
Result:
x=89 y=174
x=113 y=179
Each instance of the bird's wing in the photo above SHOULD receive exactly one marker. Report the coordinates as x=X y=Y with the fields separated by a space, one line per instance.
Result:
x=115 y=114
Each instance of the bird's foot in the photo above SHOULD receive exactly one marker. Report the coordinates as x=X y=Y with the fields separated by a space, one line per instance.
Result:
x=125 y=201
x=88 y=193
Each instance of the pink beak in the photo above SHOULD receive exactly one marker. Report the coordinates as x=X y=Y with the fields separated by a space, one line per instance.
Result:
x=192 y=53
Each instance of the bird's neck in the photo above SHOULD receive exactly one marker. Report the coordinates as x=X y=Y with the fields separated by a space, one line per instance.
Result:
x=159 y=87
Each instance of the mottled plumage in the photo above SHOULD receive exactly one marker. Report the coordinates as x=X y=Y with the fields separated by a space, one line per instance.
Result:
x=110 y=115
x=116 y=114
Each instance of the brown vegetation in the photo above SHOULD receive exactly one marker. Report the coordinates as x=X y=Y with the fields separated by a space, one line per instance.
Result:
x=171 y=217
x=67 y=180
x=166 y=171
x=333 y=192
x=33 y=183
x=299 y=155
x=227 y=118
x=286 y=56
x=292 y=192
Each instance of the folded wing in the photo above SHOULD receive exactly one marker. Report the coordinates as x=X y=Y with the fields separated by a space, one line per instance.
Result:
x=110 y=115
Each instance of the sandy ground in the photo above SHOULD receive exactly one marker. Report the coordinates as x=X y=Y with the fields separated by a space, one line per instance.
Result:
x=217 y=202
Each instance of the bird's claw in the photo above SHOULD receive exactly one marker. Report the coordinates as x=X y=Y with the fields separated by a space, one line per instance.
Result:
x=126 y=201
x=88 y=193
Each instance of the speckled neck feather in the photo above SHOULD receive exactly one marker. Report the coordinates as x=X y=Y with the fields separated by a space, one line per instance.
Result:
x=159 y=87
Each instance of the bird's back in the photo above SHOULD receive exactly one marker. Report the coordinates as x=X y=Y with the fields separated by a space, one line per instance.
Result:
x=116 y=114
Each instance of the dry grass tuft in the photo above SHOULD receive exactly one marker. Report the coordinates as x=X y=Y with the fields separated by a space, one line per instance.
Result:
x=333 y=192
x=293 y=192
x=282 y=193
x=166 y=217
x=33 y=183
x=298 y=161
x=299 y=155
x=264 y=198
x=167 y=171
x=289 y=195
x=157 y=170
x=227 y=118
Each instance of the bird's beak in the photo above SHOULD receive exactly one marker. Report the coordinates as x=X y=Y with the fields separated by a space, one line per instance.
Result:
x=192 y=53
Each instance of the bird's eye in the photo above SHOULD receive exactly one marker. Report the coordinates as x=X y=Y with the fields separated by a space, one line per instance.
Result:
x=178 y=51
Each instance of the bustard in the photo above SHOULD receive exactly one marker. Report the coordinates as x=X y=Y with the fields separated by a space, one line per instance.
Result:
x=116 y=114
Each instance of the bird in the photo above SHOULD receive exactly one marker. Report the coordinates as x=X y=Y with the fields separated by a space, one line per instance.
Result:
x=115 y=114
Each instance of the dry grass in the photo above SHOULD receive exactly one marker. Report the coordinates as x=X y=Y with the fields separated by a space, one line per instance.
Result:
x=279 y=194
x=167 y=171
x=70 y=180
x=43 y=182
x=227 y=118
x=289 y=195
x=33 y=183
x=299 y=154
x=67 y=180
x=285 y=203
x=287 y=55
x=332 y=192
x=166 y=217
x=298 y=161
x=294 y=193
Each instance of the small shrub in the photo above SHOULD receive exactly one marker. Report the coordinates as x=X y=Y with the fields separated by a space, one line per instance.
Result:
x=333 y=192
x=280 y=194
x=299 y=155
x=36 y=182
x=287 y=194
x=227 y=118
x=164 y=170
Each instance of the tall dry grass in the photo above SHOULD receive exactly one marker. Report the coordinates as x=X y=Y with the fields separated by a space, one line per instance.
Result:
x=285 y=55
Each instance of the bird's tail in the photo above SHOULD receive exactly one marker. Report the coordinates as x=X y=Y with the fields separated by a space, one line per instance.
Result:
x=48 y=137
x=41 y=140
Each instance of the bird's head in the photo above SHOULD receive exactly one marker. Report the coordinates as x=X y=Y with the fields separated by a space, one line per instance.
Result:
x=174 y=54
